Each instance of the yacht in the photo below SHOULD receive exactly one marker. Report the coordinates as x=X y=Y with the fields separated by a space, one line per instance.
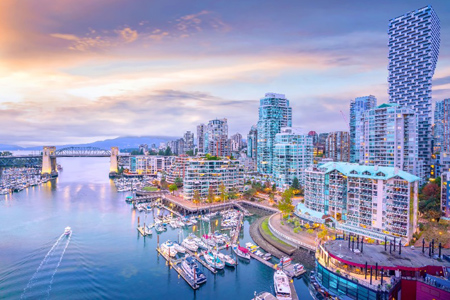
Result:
x=67 y=230
x=227 y=259
x=189 y=244
x=214 y=261
x=169 y=248
x=179 y=249
x=241 y=251
x=193 y=271
x=281 y=284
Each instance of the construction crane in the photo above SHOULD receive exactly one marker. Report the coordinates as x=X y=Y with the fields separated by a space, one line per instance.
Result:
x=345 y=119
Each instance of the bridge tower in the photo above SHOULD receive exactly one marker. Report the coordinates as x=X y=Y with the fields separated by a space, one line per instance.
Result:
x=49 y=161
x=113 y=166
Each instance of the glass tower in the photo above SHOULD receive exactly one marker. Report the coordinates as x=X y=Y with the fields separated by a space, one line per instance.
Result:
x=414 y=40
x=274 y=113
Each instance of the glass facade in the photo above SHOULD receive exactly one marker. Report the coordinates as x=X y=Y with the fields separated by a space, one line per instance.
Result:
x=274 y=113
x=357 y=108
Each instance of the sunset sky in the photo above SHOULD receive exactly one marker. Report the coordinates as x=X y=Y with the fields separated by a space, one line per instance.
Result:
x=86 y=70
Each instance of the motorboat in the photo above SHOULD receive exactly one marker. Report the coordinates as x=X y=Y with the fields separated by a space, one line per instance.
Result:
x=180 y=249
x=214 y=261
x=192 y=270
x=227 y=259
x=159 y=228
x=281 y=284
x=252 y=247
x=67 y=230
x=189 y=244
x=241 y=251
x=208 y=239
x=147 y=230
x=169 y=248
x=267 y=256
x=285 y=261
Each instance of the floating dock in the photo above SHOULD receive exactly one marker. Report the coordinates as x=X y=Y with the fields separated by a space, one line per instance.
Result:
x=173 y=263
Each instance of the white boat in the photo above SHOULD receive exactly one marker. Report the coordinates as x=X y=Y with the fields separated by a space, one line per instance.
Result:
x=179 y=249
x=169 y=248
x=281 y=284
x=67 y=230
x=227 y=259
x=173 y=224
x=190 y=244
x=147 y=230
x=193 y=271
x=241 y=251
x=285 y=261
x=214 y=261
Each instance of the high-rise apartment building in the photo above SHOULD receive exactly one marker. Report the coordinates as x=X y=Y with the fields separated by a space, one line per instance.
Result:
x=414 y=40
x=357 y=108
x=215 y=134
x=274 y=113
x=371 y=201
x=337 y=146
x=293 y=153
x=441 y=132
x=236 y=142
x=201 y=130
x=389 y=138
x=188 y=141
x=252 y=138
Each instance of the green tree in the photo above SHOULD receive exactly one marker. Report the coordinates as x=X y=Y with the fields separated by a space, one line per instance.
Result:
x=248 y=194
x=190 y=152
x=295 y=184
x=173 y=187
x=178 y=181
x=163 y=183
x=223 y=192
x=211 y=195
x=161 y=152
x=232 y=193
x=274 y=187
x=196 y=198
x=285 y=205
x=168 y=151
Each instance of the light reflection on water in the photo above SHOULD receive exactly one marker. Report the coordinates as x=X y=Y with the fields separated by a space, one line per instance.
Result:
x=106 y=257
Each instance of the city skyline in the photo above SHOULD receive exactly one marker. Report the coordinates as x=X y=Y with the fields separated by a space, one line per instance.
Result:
x=84 y=72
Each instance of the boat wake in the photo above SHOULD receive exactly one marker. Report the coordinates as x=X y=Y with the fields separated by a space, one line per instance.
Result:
x=41 y=282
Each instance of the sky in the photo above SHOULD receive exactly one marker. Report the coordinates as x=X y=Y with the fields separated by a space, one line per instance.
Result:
x=82 y=71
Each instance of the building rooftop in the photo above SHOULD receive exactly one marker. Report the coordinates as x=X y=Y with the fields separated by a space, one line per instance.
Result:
x=373 y=172
x=375 y=254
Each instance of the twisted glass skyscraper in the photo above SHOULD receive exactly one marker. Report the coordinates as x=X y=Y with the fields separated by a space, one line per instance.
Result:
x=274 y=113
x=414 y=40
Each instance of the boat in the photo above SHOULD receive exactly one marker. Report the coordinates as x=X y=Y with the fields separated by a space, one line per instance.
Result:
x=214 y=261
x=230 y=262
x=67 y=230
x=193 y=271
x=128 y=199
x=264 y=296
x=189 y=244
x=281 y=284
x=147 y=230
x=168 y=248
x=252 y=247
x=180 y=249
x=159 y=228
x=241 y=251
x=285 y=261
x=259 y=253
x=173 y=224
x=267 y=256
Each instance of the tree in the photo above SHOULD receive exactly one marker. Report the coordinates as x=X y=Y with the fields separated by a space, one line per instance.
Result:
x=295 y=184
x=271 y=197
x=190 y=152
x=285 y=205
x=248 y=194
x=168 y=151
x=274 y=187
x=196 y=197
x=211 y=195
x=161 y=152
x=178 y=181
x=429 y=200
x=232 y=193
x=173 y=187
x=163 y=183
x=223 y=192
x=322 y=234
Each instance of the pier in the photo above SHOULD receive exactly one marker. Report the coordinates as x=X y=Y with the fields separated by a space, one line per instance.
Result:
x=237 y=229
x=173 y=263
x=197 y=257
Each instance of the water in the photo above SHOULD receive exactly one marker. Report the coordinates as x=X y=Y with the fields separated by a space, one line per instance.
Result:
x=104 y=257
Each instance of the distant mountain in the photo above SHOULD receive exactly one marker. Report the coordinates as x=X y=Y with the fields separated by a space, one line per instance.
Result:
x=121 y=142
x=10 y=147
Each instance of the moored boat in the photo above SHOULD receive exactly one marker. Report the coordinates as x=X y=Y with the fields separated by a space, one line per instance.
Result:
x=169 y=248
x=214 y=261
x=241 y=251
x=190 y=244
x=281 y=284
x=180 y=249
x=193 y=271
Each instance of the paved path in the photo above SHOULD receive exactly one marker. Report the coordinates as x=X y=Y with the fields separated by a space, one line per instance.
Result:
x=287 y=230
x=260 y=241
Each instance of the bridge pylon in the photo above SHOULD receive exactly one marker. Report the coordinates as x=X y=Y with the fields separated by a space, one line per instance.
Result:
x=49 y=161
x=114 y=165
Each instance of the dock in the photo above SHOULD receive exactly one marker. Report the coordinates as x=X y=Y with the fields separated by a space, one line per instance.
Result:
x=237 y=229
x=294 y=295
x=263 y=261
x=197 y=257
x=173 y=263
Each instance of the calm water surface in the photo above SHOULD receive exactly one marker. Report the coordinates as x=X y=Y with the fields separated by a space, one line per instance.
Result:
x=104 y=258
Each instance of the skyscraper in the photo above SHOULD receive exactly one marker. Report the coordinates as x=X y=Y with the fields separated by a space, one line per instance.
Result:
x=201 y=130
x=252 y=143
x=216 y=138
x=337 y=146
x=441 y=134
x=414 y=40
x=293 y=153
x=274 y=113
x=357 y=107
x=390 y=138
x=188 y=141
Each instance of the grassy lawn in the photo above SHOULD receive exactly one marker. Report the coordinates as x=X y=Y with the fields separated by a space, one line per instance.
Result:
x=266 y=230
x=150 y=189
